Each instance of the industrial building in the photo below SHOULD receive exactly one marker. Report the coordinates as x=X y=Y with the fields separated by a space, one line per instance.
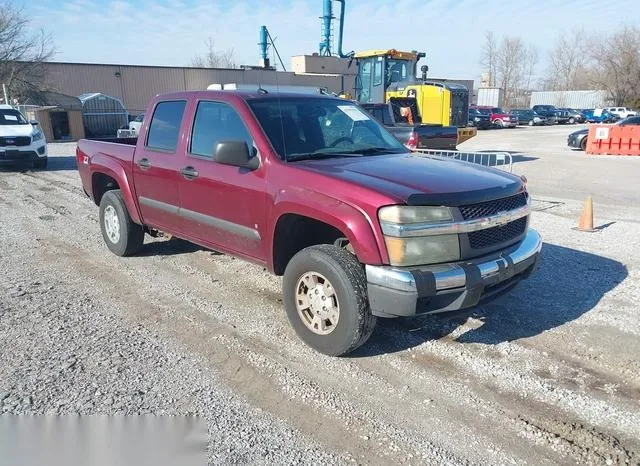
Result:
x=135 y=85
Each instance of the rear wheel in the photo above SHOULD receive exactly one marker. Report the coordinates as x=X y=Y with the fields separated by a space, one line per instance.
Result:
x=325 y=292
x=122 y=236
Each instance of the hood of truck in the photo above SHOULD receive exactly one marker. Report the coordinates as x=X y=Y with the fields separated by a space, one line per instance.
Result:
x=15 y=130
x=420 y=180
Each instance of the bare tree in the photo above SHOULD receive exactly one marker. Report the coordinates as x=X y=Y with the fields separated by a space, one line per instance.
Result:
x=569 y=62
x=214 y=58
x=22 y=54
x=511 y=68
x=489 y=57
x=617 y=65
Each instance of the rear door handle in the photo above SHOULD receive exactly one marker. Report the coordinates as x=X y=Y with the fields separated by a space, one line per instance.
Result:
x=144 y=163
x=189 y=172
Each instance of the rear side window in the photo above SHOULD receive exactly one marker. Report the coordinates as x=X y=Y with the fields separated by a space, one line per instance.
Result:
x=216 y=122
x=164 y=129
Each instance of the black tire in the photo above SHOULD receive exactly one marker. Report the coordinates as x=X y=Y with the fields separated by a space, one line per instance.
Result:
x=41 y=164
x=347 y=276
x=131 y=235
x=583 y=143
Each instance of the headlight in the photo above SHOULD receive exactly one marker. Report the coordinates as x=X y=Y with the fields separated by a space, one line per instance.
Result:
x=476 y=119
x=399 y=214
x=407 y=245
x=37 y=136
x=422 y=250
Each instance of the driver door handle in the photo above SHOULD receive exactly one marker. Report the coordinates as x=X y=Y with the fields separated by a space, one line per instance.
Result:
x=144 y=163
x=189 y=172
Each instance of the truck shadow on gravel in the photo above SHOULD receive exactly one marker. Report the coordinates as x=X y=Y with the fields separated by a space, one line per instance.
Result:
x=567 y=284
x=171 y=247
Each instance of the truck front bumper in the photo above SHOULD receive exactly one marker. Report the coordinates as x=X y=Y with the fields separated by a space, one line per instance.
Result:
x=403 y=292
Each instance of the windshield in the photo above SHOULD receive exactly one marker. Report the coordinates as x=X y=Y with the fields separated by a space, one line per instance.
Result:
x=484 y=111
x=11 y=117
x=308 y=128
x=398 y=70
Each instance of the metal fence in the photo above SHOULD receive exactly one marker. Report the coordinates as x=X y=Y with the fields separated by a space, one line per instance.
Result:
x=500 y=160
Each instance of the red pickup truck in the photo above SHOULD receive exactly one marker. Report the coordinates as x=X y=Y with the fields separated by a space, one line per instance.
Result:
x=316 y=190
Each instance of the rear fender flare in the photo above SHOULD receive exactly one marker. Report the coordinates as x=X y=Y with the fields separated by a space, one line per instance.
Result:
x=106 y=165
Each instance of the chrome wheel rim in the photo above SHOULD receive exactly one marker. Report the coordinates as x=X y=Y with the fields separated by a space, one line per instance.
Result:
x=111 y=224
x=317 y=303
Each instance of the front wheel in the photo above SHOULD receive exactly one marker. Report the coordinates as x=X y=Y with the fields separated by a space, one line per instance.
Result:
x=122 y=236
x=572 y=121
x=325 y=292
x=499 y=123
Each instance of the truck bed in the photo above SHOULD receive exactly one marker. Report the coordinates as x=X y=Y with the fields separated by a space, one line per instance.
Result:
x=117 y=156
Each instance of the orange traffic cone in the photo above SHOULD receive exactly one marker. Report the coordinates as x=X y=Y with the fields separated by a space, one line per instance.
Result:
x=586 y=219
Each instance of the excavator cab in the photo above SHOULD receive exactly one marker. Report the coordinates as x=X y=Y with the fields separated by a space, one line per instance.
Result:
x=386 y=74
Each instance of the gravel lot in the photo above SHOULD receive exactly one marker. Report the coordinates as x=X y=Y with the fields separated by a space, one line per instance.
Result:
x=545 y=375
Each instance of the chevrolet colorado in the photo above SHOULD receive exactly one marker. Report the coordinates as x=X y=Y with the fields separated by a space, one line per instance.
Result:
x=314 y=189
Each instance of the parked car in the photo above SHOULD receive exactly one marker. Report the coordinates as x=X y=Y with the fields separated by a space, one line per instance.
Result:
x=21 y=141
x=621 y=112
x=136 y=123
x=498 y=117
x=574 y=115
x=314 y=189
x=412 y=135
x=578 y=139
x=600 y=115
x=525 y=116
x=478 y=119
x=552 y=113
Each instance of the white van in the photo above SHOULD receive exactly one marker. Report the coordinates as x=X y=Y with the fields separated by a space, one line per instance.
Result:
x=21 y=141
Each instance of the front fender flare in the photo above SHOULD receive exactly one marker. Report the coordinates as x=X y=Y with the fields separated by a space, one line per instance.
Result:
x=353 y=222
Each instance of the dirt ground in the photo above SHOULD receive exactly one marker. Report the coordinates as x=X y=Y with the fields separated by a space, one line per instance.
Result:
x=548 y=374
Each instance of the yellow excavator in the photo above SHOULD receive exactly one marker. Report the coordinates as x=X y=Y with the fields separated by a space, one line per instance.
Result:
x=386 y=74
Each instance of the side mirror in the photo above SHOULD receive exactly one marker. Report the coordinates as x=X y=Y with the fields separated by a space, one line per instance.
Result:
x=235 y=153
x=34 y=122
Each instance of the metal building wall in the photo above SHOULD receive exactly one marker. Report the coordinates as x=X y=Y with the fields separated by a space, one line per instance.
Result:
x=571 y=99
x=136 y=85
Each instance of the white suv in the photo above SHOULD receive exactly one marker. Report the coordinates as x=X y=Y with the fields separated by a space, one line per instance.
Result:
x=622 y=112
x=21 y=141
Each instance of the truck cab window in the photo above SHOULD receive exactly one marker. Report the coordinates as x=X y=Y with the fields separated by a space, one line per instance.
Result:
x=215 y=122
x=165 y=125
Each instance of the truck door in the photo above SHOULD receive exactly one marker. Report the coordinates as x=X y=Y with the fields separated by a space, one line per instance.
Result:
x=223 y=205
x=156 y=165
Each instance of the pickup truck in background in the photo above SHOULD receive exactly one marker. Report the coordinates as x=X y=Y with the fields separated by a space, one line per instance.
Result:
x=498 y=117
x=314 y=189
x=412 y=135
x=552 y=113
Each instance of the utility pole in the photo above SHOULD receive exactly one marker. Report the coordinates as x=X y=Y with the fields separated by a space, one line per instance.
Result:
x=4 y=90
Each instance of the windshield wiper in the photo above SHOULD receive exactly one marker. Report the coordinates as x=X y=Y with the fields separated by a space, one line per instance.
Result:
x=374 y=150
x=320 y=155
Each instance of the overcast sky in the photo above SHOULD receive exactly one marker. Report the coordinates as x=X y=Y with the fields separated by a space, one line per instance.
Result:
x=172 y=32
